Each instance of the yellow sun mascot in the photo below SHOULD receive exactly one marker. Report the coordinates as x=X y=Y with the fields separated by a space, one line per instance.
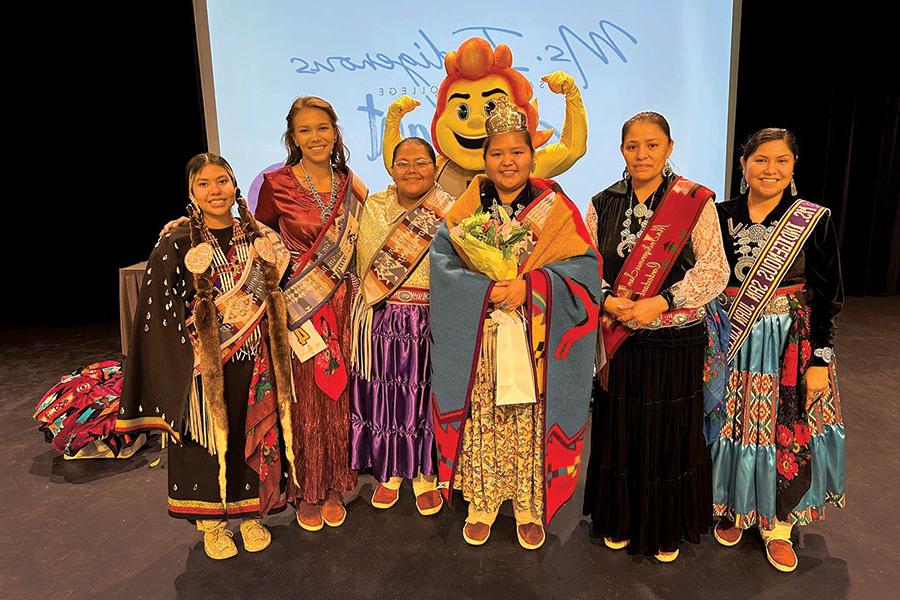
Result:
x=477 y=75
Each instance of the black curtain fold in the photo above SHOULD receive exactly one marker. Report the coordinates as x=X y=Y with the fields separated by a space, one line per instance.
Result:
x=847 y=120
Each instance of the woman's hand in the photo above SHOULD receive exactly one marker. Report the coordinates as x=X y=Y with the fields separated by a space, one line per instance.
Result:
x=617 y=307
x=645 y=311
x=172 y=224
x=509 y=295
x=816 y=384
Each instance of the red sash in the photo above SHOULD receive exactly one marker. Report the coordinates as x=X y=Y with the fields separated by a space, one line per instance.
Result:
x=655 y=253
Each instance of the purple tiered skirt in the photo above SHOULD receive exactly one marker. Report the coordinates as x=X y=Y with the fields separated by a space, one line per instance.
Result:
x=390 y=415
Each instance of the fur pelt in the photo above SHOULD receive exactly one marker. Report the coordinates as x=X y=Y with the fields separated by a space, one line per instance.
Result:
x=213 y=382
x=280 y=351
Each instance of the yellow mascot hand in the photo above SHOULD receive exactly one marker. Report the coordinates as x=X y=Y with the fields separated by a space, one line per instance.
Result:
x=392 y=133
x=403 y=105
x=553 y=159
x=560 y=82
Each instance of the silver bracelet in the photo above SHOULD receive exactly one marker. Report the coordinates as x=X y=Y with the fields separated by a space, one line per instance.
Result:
x=826 y=354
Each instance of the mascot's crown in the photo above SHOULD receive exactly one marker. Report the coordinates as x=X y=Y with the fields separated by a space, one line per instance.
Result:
x=505 y=117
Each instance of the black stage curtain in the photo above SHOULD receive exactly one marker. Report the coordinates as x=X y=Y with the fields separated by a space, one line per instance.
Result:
x=831 y=83
x=110 y=113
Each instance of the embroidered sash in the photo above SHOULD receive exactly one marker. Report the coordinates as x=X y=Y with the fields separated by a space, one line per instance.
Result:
x=241 y=308
x=323 y=268
x=650 y=262
x=772 y=264
x=404 y=247
x=535 y=215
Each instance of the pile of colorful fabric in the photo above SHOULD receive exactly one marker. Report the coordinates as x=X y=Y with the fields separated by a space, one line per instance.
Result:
x=78 y=414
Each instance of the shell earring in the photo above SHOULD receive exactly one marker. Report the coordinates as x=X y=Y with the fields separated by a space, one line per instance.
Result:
x=793 y=187
x=744 y=185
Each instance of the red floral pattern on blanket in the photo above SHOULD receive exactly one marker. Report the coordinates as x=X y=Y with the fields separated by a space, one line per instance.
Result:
x=792 y=434
x=263 y=449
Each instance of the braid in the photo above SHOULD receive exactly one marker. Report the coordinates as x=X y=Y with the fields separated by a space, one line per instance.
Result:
x=251 y=228
x=202 y=281
x=248 y=222
x=194 y=225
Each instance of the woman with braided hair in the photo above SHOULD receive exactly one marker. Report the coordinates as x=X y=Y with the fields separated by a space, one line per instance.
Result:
x=209 y=363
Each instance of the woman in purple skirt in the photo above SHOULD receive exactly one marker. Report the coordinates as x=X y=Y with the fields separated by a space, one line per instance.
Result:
x=391 y=415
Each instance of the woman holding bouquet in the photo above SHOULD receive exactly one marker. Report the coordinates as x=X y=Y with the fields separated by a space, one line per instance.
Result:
x=514 y=283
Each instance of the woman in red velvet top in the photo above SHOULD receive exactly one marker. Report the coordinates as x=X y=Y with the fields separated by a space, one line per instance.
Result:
x=313 y=202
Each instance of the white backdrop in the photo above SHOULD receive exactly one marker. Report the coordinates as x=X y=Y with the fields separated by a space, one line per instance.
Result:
x=673 y=57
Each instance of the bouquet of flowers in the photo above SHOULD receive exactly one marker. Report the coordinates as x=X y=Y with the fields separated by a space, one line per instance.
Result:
x=492 y=247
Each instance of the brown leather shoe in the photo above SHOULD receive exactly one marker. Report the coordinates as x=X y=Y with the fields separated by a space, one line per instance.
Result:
x=333 y=512
x=727 y=534
x=781 y=555
x=429 y=503
x=385 y=497
x=531 y=535
x=309 y=516
x=476 y=534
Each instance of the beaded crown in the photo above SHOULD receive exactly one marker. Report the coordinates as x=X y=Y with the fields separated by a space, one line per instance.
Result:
x=505 y=117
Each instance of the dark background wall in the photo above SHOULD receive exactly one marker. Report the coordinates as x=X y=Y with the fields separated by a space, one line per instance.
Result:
x=115 y=94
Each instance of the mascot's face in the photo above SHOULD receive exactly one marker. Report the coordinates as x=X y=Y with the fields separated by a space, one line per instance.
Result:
x=459 y=131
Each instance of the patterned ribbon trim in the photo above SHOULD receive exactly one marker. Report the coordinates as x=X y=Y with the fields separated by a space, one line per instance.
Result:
x=410 y=295
x=770 y=267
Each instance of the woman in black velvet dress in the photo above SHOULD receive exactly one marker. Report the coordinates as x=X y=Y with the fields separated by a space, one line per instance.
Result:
x=648 y=479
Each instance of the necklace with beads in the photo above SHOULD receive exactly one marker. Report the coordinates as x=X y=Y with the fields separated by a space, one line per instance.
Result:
x=325 y=210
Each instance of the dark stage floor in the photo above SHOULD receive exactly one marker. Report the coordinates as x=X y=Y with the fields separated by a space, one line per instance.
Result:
x=98 y=529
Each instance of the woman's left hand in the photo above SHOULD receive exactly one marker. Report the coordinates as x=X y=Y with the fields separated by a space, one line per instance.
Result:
x=511 y=294
x=644 y=311
x=816 y=384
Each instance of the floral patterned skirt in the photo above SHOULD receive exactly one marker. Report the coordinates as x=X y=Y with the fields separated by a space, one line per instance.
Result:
x=502 y=455
x=757 y=453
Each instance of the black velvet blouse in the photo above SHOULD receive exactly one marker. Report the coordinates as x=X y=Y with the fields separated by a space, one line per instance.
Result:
x=610 y=206
x=489 y=196
x=817 y=266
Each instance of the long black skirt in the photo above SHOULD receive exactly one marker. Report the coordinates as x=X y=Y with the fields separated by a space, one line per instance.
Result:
x=194 y=473
x=648 y=478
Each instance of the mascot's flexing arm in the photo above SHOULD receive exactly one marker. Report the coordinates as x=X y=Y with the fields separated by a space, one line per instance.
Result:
x=477 y=75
